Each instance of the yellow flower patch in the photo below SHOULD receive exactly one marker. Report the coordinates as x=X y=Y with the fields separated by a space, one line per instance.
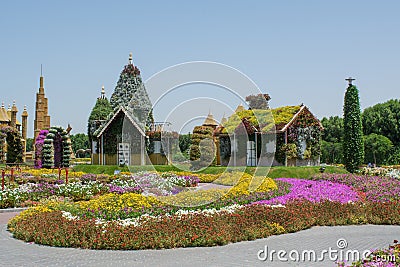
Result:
x=194 y=198
x=115 y=202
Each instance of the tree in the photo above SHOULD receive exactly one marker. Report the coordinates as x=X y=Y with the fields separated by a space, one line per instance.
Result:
x=259 y=101
x=79 y=141
x=333 y=129
x=377 y=148
x=331 y=153
x=101 y=110
x=353 y=147
x=29 y=144
x=184 y=143
x=383 y=119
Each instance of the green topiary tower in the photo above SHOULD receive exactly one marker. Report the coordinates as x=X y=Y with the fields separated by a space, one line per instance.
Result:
x=100 y=112
x=353 y=145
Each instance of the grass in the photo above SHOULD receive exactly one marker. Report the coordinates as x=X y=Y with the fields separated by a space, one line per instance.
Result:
x=274 y=172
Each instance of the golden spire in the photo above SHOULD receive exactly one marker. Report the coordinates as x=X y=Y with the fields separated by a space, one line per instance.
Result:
x=210 y=121
x=239 y=108
x=14 y=107
x=25 y=112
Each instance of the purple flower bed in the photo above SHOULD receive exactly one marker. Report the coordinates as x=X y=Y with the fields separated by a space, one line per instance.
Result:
x=123 y=190
x=375 y=188
x=315 y=191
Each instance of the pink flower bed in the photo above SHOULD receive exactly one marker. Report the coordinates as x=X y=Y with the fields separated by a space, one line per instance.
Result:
x=314 y=191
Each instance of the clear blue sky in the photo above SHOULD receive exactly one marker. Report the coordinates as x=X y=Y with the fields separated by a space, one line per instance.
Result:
x=297 y=51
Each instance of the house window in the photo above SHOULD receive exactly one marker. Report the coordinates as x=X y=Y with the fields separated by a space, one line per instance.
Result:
x=157 y=147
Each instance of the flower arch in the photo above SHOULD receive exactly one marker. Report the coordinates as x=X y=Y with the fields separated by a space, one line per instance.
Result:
x=56 y=148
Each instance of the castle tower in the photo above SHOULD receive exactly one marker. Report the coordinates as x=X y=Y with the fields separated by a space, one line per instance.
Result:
x=13 y=116
x=42 y=118
x=24 y=123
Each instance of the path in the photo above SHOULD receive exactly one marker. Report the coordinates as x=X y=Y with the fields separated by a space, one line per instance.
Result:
x=18 y=253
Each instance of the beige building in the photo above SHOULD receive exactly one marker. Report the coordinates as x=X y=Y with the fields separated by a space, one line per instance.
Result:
x=42 y=117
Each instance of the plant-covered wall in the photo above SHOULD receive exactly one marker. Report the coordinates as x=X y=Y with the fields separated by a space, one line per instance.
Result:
x=202 y=149
x=10 y=141
x=39 y=143
x=56 y=148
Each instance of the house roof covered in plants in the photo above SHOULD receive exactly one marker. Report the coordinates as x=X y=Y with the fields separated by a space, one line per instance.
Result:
x=128 y=115
x=267 y=120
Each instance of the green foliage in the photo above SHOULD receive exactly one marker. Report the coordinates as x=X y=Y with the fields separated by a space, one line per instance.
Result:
x=332 y=140
x=257 y=117
x=377 y=148
x=29 y=144
x=333 y=129
x=10 y=141
x=100 y=112
x=394 y=156
x=332 y=153
x=383 y=119
x=79 y=141
x=283 y=115
x=184 y=143
x=353 y=147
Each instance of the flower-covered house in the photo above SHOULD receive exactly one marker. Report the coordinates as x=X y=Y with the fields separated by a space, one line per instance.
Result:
x=122 y=130
x=288 y=136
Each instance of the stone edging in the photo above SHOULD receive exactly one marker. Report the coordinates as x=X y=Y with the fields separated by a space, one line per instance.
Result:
x=12 y=210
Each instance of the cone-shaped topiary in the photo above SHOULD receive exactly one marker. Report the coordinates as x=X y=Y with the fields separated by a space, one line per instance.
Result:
x=353 y=145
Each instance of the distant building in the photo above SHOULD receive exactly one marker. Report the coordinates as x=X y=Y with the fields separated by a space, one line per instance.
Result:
x=42 y=117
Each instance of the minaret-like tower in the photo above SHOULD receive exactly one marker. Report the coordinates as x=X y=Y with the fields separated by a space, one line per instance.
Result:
x=42 y=118
x=13 y=116
x=24 y=123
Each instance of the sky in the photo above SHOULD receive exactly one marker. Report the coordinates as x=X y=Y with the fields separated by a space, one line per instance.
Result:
x=296 y=51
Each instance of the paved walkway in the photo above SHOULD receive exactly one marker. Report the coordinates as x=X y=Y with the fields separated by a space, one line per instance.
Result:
x=17 y=253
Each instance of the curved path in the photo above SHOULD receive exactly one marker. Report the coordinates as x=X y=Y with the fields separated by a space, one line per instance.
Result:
x=17 y=253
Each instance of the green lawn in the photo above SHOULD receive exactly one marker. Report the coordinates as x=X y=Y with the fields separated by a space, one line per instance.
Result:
x=274 y=172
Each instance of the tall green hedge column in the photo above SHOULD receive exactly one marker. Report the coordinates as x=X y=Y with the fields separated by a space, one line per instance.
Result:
x=353 y=145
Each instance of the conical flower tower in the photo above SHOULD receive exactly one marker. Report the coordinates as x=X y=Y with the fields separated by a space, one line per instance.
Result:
x=131 y=93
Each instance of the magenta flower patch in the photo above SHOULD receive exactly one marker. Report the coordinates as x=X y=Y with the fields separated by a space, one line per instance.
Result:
x=314 y=191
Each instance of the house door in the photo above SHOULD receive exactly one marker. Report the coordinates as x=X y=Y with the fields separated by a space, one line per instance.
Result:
x=251 y=154
x=124 y=154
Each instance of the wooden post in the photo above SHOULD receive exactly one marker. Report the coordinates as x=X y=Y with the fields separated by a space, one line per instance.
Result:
x=12 y=175
x=66 y=175
x=2 y=179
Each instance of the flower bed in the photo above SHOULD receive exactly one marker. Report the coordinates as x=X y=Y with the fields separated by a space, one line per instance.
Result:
x=314 y=191
x=89 y=185
x=254 y=207
x=48 y=226
x=372 y=188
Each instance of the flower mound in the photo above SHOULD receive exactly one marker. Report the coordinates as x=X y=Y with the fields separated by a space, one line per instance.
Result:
x=373 y=188
x=314 y=191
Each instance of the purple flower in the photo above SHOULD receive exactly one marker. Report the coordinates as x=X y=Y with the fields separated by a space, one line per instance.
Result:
x=314 y=191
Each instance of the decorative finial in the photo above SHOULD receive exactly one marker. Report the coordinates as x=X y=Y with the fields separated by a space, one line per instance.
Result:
x=9 y=106
x=13 y=103
x=103 y=92
x=41 y=70
x=24 y=107
x=350 y=80
x=2 y=104
x=130 y=58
